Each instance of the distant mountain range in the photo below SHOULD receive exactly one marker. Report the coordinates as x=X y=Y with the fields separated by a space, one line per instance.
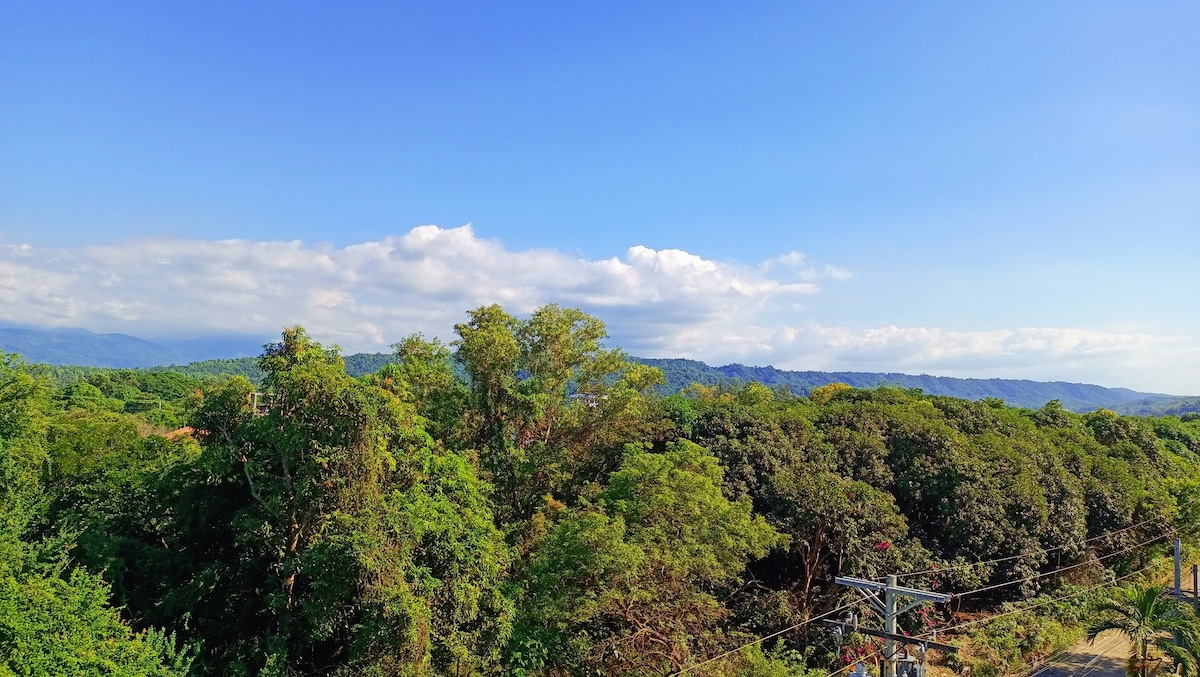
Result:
x=235 y=355
x=80 y=346
x=1020 y=393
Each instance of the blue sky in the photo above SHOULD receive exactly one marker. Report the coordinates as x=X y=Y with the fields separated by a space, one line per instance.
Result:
x=1001 y=190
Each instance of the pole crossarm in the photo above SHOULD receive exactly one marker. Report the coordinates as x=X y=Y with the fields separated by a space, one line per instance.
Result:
x=923 y=595
x=903 y=639
x=868 y=588
x=891 y=592
x=861 y=583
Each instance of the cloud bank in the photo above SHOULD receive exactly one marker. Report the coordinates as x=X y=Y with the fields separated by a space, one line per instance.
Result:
x=667 y=303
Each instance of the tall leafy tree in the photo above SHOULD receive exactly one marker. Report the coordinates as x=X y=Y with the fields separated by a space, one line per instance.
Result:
x=424 y=376
x=24 y=398
x=55 y=618
x=627 y=586
x=369 y=552
x=852 y=529
x=552 y=407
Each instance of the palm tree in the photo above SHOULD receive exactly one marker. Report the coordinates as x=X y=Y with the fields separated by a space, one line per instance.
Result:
x=1157 y=625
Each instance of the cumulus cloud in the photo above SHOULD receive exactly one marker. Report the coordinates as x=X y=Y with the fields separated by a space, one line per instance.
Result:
x=366 y=294
x=664 y=302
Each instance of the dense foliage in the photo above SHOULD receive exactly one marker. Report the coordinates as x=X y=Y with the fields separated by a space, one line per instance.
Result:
x=1187 y=408
x=526 y=501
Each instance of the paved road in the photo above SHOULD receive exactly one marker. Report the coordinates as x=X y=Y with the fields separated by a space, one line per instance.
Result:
x=1106 y=658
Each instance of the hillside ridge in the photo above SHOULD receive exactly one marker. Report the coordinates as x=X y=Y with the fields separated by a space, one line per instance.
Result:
x=76 y=352
x=75 y=346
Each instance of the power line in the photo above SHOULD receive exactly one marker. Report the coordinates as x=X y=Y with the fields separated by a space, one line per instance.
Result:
x=763 y=639
x=1046 y=551
x=1066 y=568
x=890 y=607
x=1169 y=531
x=971 y=592
x=1049 y=601
x=1076 y=593
x=1023 y=609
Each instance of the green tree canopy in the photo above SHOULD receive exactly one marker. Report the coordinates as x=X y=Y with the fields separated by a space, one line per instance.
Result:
x=626 y=586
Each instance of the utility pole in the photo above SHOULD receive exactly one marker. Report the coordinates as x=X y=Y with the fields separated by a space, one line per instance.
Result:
x=1178 y=563
x=890 y=608
x=889 y=623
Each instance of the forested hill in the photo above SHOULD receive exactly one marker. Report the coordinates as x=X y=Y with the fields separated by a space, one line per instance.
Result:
x=1019 y=393
x=82 y=347
x=358 y=364
x=680 y=373
x=1161 y=406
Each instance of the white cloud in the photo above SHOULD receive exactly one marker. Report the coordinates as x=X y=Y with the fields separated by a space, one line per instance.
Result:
x=796 y=261
x=422 y=280
x=667 y=302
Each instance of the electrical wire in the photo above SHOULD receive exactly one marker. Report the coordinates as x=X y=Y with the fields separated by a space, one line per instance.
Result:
x=1092 y=666
x=1046 y=551
x=763 y=639
x=1066 y=568
x=1059 y=654
x=1076 y=593
x=963 y=594
x=970 y=592
x=1016 y=611
x=1166 y=533
x=955 y=567
x=1045 y=602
